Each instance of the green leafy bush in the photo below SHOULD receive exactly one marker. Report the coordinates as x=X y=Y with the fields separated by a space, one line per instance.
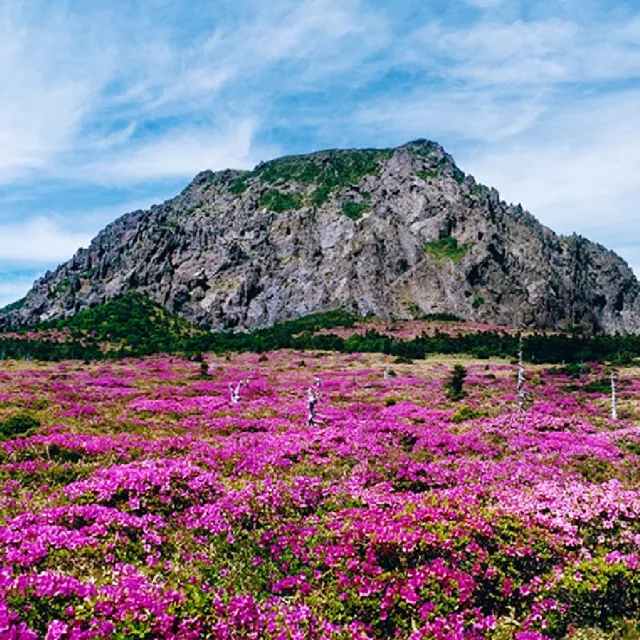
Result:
x=573 y=370
x=204 y=371
x=432 y=174
x=355 y=210
x=279 y=201
x=599 y=386
x=17 y=425
x=600 y=594
x=446 y=249
x=630 y=446
x=593 y=469
x=465 y=412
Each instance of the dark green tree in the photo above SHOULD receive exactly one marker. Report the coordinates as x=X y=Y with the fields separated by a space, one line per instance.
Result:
x=454 y=387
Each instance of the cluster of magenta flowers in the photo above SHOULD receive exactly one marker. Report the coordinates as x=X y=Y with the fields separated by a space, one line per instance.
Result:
x=149 y=505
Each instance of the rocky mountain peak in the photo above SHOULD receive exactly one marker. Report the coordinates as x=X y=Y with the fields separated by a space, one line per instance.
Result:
x=391 y=232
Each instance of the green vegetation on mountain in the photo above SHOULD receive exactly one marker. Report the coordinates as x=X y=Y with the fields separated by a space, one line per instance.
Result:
x=129 y=318
x=432 y=174
x=329 y=171
x=279 y=201
x=355 y=210
x=446 y=249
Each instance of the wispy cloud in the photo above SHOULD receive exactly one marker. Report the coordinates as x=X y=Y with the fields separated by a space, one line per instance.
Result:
x=180 y=153
x=587 y=151
x=576 y=169
x=463 y=113
x=41 y=109
x=38 y=241
x=549 y=51
x=155 y=105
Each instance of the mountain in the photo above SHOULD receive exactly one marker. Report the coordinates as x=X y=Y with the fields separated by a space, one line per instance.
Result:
x=390 y=232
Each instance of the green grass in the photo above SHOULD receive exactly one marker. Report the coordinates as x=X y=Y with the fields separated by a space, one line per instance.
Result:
x=446 y=249
x=355 y=210
x=239 y=186
x=279 y=201
x=434 y=174
x=478 y=190
x=329 y=171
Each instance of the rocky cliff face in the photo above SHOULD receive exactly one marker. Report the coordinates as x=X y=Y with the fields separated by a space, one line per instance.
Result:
x=398 y=232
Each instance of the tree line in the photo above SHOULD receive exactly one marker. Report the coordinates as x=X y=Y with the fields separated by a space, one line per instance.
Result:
x=134 y=326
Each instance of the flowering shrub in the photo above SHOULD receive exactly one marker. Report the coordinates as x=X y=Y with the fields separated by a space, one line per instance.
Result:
x=148 y=505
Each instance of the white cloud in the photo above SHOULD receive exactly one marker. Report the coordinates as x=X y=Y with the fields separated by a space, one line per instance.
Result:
x=38 y=241
x=75 y=96
x=576 y=169
x=465 y=113
x=551 y=51
x=299 y=31
x=587 y=152
x=41 y=109
x=180 y=154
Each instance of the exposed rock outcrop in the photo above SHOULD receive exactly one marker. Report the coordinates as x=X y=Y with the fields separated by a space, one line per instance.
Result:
x=398 y=232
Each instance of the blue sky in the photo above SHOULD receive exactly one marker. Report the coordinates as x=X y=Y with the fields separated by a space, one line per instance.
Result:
x=106 y=107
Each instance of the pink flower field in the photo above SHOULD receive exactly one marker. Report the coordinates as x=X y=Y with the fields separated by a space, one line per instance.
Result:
x=140 y=501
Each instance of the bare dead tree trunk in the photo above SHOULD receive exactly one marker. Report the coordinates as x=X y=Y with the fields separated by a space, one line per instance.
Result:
x=312 y=401
x=522 y=394
x=234 y=392
x=614 y=399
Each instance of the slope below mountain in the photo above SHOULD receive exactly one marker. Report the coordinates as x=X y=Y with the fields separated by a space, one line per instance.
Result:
x=396 y=232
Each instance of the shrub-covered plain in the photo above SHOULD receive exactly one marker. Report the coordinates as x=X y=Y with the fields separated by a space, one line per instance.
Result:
x=139 y=501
